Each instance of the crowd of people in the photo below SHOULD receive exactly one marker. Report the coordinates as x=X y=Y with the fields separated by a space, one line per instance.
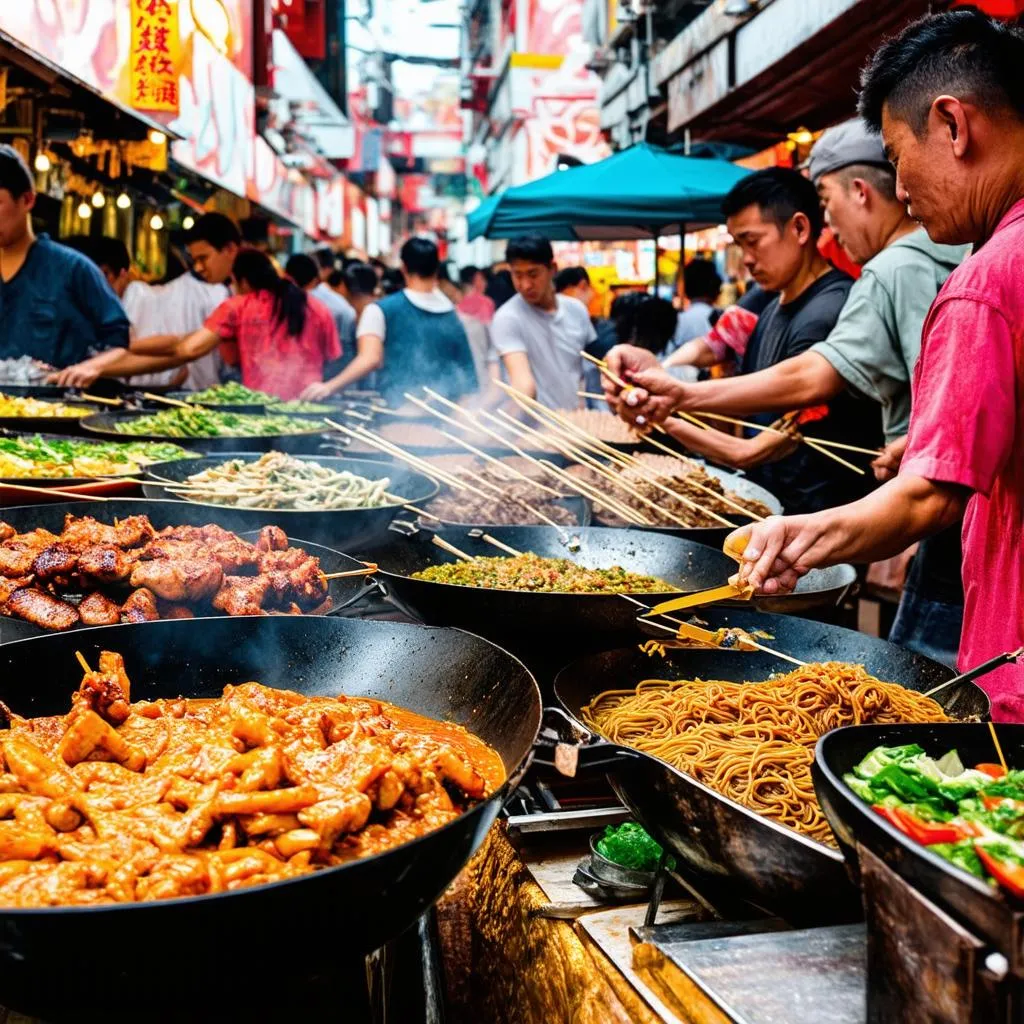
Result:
x=917 y=356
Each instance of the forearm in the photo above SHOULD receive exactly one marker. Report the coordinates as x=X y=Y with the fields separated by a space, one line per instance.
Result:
x=885 y=522
x=712 y=444
x=155 y=345
x=692 y=353
x=804 y=380
x=128 y=364
x=361 y=365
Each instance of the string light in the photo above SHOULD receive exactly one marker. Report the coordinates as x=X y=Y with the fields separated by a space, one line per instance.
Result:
x=123 y=201
x=189 y=222
x=42 y=163
x=84 y=211
x=99 y=200
x=156 y=222
x=157 y=138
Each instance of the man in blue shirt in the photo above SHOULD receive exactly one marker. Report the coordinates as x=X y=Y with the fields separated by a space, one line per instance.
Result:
x=55 y=305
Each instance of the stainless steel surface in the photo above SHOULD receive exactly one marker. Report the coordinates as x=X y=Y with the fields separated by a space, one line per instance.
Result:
x=566 y=821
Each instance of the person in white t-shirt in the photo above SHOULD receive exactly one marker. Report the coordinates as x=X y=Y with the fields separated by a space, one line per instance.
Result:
x=538 y=333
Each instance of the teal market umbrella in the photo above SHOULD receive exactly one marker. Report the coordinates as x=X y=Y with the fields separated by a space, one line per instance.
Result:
x=640 y=192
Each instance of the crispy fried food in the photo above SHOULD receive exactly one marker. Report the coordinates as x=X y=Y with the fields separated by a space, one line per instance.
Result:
x=97 y=609
x=140 y=607
x=41 y=609
x=56 y=560
x=272 y=538
x=107 y=564
x=179 y=580
x=121 y=802
x=6 y=531
x=242 y=595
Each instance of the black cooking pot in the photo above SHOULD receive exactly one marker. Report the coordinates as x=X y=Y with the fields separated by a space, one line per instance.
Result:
x=249 y=954
x=346 y=529
x=714 y=837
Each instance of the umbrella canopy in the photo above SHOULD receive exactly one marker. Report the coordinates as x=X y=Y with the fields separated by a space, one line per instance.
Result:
x=640 y=192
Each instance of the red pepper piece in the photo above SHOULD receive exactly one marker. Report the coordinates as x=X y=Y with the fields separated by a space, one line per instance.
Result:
x=997 y=771
x=1010 y=876
x=926 y=833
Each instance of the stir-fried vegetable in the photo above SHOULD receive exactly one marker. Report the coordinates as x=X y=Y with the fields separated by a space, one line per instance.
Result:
x=210 y=423
x=629 y=846
x=39 y=457
x=16 y=405
x=276 y=480
x=971 y=817
x=552 y=575
x=233 y=393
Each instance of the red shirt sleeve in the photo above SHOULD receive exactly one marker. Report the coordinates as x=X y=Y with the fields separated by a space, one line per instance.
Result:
x=964 y=395
x=224 y=320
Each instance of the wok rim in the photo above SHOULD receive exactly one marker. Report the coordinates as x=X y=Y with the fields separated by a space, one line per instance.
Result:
x=223 y=457
x=513 y=776
x=135 y=414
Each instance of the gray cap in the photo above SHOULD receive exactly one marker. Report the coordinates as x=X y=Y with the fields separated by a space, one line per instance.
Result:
x=844 y=144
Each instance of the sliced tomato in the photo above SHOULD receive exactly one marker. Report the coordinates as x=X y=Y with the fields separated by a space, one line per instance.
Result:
x=992 y=802
x=1010 y=876
x=926 y=833
x=997 y=771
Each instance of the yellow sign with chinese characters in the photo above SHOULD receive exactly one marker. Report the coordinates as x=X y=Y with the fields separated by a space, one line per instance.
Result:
x=155 y=55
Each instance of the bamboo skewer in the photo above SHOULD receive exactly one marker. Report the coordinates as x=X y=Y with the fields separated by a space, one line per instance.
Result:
x=541 y=412
x=83 y=662
x=77 y=495
x=999 y=749
x=451 y=549
x=100 y=401
x=832 y=455
x=368 y=569
x=874 y=452
x=169 y=401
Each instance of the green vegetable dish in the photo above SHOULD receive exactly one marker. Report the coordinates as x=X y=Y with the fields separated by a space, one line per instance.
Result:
x=629 y=846
x=971 y=817
x=209 y=423
x=233 y=393
x=51 y=458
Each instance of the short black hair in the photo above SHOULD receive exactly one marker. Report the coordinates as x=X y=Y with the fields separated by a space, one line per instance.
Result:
x=14 y=173
x=392 y=280
x=654 y=323
x=530 y=249
x=302 y=269
x=961 y=52
x=110 y=252
x=419 y=257
x=701 y=279
x=335 y=278
x=779 y=193
x=215 y=229
x=881 y=179
x=254 y=231
x=570 y=277
x=325 y=257
x=467 y=275
x=360 y=279
x=623 y=314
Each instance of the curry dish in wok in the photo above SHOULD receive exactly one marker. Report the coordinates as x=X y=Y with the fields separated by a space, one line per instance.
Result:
x=121 y=802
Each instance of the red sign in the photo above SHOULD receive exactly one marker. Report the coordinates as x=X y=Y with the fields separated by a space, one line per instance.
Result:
x=155 y=56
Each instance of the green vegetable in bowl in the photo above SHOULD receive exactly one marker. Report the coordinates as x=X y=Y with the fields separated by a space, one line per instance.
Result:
x=629 y=846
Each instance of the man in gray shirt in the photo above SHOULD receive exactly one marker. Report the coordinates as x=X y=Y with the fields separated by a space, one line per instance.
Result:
x=539 y=334
x=340 y=308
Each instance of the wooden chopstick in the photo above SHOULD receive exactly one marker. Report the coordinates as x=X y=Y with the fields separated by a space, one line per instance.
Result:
x=100 y=401
x=999 y=749
x=451 y=549
x=169 y=401
x=367 y=569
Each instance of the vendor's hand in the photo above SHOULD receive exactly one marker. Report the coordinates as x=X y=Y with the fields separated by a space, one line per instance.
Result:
x=776 y=552
x=652 y=397
x=887 y=465
x=768 y=446
x=81 y=375
x=317 y=392
x=624 y=361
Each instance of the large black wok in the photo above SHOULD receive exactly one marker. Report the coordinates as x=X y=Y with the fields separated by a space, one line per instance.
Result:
x=47 y=424
x=497 y=613
x=161 y=513
x=105 y=424
x=349 y=529
x=250 y=954
x=988 y=912
x=770 y=865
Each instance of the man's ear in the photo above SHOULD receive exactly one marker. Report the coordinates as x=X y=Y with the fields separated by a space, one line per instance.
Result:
x=951 y=116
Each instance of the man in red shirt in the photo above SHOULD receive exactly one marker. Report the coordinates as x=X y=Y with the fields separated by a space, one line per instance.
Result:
x=948 y=96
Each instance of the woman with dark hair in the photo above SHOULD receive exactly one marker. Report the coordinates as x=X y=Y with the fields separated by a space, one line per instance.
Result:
x=270 y=328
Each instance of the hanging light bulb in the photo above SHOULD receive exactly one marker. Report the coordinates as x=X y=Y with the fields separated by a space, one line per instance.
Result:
x=42 y=163
x=156 y=222
x=156 y=137
x=188 y=222
x=84 y=211
x=99 y=200
x=123 y=201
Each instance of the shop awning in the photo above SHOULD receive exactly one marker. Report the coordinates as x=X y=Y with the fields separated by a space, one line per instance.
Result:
x=640 y=192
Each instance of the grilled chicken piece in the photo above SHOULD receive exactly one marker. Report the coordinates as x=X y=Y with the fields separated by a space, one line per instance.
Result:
x=242 y=595
x=179 y=580
x=140 y=607
x=106 y=564
x=305 y=585
x=174 y=611
x=272 y=538
x=41 y=609
x=56 y=560
x=235 y=555
x=81 y=532
x=16 y=561
x=7 y=531
x=282 y=561
x=8 y=585
x=98 y=610
x=134 y=531
x=175 y=547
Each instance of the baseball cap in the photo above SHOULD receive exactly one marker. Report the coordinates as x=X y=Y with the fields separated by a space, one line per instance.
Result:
x=851 y=142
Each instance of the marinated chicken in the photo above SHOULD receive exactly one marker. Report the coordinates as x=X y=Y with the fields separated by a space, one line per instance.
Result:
x=145 y=575
x=120 y=802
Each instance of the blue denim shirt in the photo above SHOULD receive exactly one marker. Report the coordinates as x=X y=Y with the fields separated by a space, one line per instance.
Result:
x=59 y=308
